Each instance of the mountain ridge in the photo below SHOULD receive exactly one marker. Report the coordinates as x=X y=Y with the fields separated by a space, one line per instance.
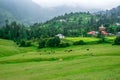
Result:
x=28 y=12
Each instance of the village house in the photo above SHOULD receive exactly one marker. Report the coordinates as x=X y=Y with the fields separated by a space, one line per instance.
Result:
x=101 y=30
x=61 y=36
x=93 y=33
x=118 y=24
x=62 y=20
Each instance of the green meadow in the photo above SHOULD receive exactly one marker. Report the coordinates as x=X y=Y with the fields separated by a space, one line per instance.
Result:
x=80 y=62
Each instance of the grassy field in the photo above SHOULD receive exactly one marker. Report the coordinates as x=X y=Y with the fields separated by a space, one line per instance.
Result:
x=83 y=62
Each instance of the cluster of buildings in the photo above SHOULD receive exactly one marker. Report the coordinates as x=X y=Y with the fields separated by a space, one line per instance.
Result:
x=102 y=30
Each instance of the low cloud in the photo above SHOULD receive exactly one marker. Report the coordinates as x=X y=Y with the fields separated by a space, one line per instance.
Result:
x=89 y=4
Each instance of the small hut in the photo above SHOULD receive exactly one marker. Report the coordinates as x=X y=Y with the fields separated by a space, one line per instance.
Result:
x=101 y=31
x=61 y=36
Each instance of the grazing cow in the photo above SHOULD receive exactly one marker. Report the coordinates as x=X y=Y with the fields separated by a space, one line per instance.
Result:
x=49 y=53
x=70 y=50
x=87 y=49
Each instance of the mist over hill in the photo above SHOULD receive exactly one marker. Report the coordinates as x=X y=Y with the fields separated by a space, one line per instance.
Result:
x=28 y=12
x=24 y=11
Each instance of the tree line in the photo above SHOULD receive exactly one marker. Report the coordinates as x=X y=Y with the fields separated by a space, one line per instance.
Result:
x=72 y=24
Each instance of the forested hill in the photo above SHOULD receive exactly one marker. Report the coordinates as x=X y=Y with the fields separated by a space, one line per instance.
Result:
x=79 y=23
x=110 y=16
x=113 y=11
x=72 y=24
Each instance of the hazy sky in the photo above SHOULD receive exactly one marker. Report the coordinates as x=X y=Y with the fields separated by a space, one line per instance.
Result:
x=90 y=4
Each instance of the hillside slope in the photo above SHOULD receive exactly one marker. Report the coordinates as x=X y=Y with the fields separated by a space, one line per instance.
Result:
x=101 y=62
x=8 y=48
x=79 y=23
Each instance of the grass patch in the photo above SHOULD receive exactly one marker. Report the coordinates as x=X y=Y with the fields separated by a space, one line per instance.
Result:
x=81 y=62
x=8 y=48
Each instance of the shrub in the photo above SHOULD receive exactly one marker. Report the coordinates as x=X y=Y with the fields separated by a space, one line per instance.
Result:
x=104 y=40
x=64 y=44
x=42 y=43
x=24 y=43
x=56 y=41
x=53 y=42
x=100 y=41
x=50 y=43
x=28 y=43
x=117 y=41
x=81 y=42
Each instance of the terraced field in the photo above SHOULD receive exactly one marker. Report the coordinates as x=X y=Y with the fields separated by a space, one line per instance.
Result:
x=83 y=62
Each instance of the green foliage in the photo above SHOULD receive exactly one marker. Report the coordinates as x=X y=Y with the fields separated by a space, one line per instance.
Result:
x=64 y=44
x=70 y=25
x=73 y=24
x=42 y=43
x=50 y=43
x=117 y=41
x=106 y=40
x=53 y=42
x=81 y=42
x=57 y=41
x=28 y=44
x=13 y=31
x=102 y=40
x=24 y=43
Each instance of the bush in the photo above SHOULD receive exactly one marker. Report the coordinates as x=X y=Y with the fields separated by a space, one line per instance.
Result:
x=42 y=44
x=81 y=42
x=56 y=41
x=53 y=42
x=28 y=43
x=64 y=44
x=50 y=43
x=101 y=41
x=117 y=41
x=24 y=43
